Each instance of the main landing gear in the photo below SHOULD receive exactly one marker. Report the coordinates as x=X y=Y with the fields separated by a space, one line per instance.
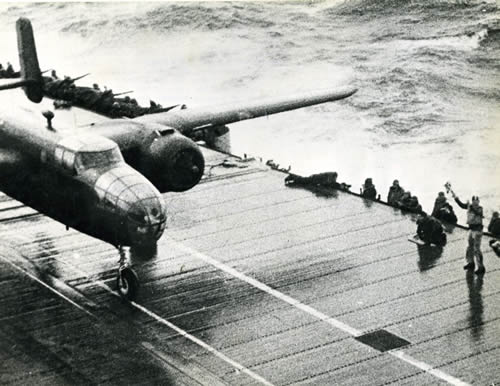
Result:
x=127 y=280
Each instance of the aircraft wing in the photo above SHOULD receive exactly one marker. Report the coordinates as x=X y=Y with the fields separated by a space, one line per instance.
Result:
x=190 y=119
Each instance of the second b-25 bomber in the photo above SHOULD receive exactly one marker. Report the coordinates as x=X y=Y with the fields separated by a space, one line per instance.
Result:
x=107 y=180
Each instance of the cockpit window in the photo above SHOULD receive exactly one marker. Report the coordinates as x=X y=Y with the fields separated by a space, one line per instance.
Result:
x=94 y=159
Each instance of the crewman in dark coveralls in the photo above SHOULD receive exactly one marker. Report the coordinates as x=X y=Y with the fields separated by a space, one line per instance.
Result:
x=494 y=229
x=395 y=193
x=430 y=230
x=443 y=210
x=326 y=180
x=368 y=190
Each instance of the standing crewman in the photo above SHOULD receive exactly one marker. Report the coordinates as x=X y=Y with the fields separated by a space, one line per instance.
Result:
x=475 y=223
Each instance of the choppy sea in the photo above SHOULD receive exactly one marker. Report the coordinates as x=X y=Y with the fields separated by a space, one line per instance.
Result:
x=428 y=72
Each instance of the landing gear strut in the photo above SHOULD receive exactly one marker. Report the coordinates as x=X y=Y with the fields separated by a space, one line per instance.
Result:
x=127 y=280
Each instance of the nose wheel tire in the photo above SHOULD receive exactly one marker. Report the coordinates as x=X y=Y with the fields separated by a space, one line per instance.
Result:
x=127 y=283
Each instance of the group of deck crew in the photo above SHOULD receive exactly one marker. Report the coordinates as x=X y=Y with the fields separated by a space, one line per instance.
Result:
x=429 y=227
x=396 y=197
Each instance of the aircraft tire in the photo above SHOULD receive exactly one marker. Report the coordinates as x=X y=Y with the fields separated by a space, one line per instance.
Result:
x=127 y=283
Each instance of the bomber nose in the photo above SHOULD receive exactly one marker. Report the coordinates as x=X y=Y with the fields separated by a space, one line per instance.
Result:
x=140 y=205
x=147 y=219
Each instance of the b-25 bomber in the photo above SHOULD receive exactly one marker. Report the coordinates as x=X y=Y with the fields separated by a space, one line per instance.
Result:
x=107 y=180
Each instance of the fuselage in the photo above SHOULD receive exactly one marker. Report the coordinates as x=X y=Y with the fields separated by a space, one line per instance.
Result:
x=81 y=181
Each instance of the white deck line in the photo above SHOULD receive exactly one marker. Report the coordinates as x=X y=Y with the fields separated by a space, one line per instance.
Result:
x=313 y=312
x=143 y=309
x=179 y=330
x=33 y=277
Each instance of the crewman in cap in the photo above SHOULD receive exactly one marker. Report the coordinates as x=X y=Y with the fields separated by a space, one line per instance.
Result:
x=475 y=222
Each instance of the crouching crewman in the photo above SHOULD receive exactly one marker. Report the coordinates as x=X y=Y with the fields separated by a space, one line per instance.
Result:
x=430 y=230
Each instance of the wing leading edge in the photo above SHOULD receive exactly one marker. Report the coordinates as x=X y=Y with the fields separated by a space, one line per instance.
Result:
x=192 y=118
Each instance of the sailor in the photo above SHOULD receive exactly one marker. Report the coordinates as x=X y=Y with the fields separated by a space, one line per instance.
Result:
x=443 y=210
x=404 y=201
x=494 y=229
x=53 y=74
x=430 y=230
x=95 y=86
x=368 y=190
x=439 y=203
x=395 y=193
x=475 y=222
x=325 y=180
x=9 y=71
x=413 y=205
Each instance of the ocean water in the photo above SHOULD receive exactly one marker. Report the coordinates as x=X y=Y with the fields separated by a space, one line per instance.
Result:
x=427 y=110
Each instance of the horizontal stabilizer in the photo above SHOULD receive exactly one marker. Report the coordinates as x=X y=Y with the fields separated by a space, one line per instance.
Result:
x=21 y=83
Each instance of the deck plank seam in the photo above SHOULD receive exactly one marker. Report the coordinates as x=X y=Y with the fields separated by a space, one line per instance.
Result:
x=302 y=243
x=271 y=219
x=244 y=211
x=425 y=314
x=318 y=321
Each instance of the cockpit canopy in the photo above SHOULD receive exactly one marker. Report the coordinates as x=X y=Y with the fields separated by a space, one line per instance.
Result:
x=79 y=153
x=94 y=159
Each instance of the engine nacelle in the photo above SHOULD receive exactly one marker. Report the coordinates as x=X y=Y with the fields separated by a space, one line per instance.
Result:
x=171 y=161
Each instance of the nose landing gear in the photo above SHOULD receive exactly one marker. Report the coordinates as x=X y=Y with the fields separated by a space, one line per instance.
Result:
x=127 y=280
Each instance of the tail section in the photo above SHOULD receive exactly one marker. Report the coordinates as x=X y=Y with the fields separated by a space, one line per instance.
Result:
x=31 y=76
x=28 y=59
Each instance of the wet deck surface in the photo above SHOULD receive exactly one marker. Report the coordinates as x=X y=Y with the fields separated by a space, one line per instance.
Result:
x=254 y=282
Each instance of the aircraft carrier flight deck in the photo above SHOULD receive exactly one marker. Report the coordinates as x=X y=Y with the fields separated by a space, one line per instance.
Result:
x=255 y=283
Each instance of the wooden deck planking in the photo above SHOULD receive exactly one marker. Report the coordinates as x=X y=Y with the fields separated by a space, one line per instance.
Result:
x=338 y=254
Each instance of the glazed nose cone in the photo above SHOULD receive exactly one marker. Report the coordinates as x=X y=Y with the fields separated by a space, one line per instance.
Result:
x=141 y=205
x=146 y=218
